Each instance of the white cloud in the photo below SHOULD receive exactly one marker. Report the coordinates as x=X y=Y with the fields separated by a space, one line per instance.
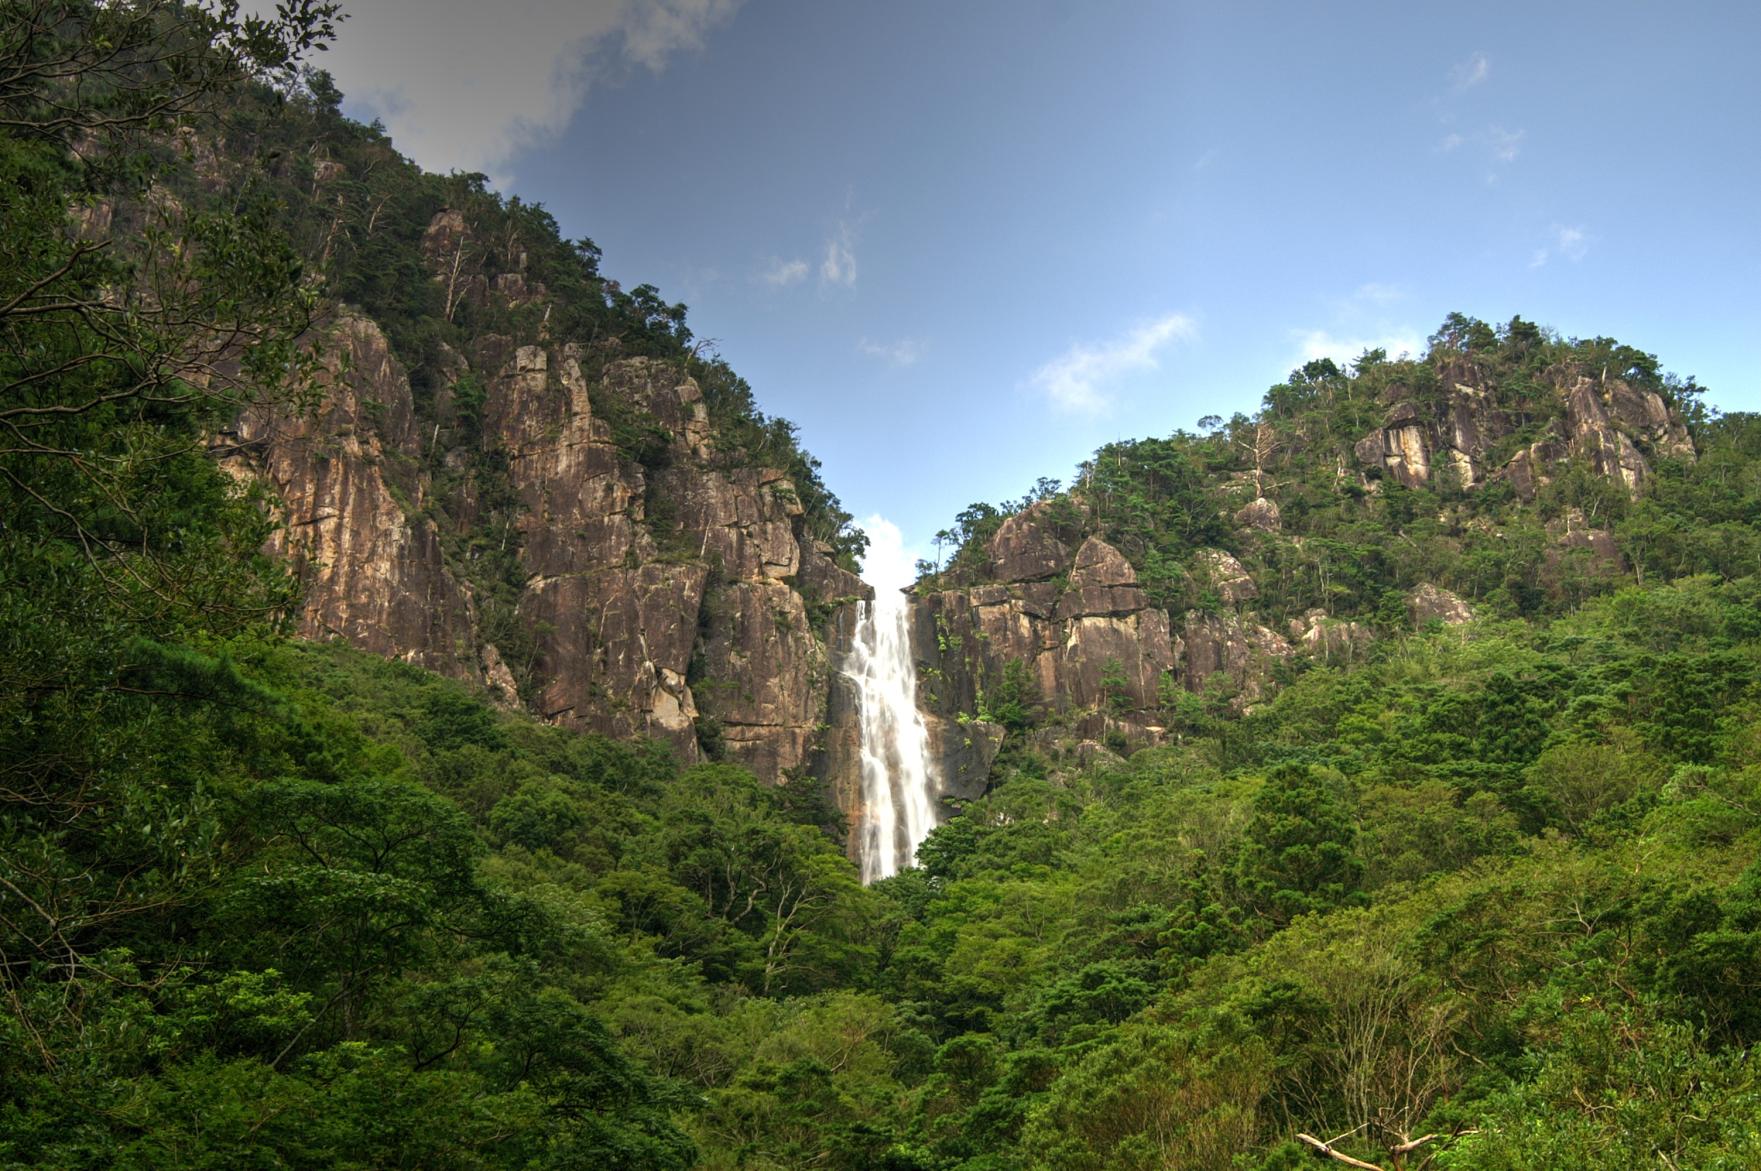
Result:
x=466 y=85
x=839 y=265
x=784 y=272
x=1377 y=293
x=1505 y=145
x=889 y=564
x=1204 y=161
x=1475 y=70
x=1568 y=243
x=1074 y=381
x=904 y=352
x=1495 y=145
x=1320 y=343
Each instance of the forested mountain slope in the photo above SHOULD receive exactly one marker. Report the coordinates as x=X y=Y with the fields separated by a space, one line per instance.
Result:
x=516 y=472
x=268 y=901
x=1506 y=473
x=523 y=474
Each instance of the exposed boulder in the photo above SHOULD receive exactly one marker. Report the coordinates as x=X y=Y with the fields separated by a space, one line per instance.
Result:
x=1413 y=444
x=1026 y=547
x=742 y=520
x=1595 y=438
x=1608 y=423
x=1244 y=651
x=822 y=577
x=1527 y=470
x=672 y=399
x=1101 y=583
x=1111 y=661
x=1644 y=413
x=620 y=601
x=1429 y=603
x=1454 y=433
x=966 y=638
x=1097 y=645
x=500 y=681
x=837 y=758
x=1401 y=451
x=1099 y=564
x=764 y=660
x=1227 y=576
x=446 y=246
x=1472 y=423
x=1574 y=538
x=961 y=754
x=1260 y=513
x=1330 y=639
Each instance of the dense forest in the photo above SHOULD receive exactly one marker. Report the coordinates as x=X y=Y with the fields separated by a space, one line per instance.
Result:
x=1474 y=896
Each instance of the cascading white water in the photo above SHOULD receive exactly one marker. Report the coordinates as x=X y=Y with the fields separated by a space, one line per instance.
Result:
x=897 y=810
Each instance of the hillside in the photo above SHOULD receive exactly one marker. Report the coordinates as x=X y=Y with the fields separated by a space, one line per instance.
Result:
x=524 y=475
x=489 y=459
x=1506 y=474
x=421 y=743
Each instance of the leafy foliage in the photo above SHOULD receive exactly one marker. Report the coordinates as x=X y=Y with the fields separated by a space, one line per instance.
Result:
x=264 y=904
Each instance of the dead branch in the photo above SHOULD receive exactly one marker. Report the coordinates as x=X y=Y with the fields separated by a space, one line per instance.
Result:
x=1325 y=1149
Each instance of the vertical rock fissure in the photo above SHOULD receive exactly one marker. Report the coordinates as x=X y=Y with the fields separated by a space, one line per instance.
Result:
x=898 y=808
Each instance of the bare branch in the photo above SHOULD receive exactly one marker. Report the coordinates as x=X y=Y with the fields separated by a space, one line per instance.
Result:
x=1341 y=1156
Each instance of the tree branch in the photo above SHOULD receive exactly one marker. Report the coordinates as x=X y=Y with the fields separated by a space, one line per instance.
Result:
x=1341 y=1156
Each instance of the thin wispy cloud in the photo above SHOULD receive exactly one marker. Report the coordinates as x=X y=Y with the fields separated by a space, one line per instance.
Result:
x=1568 y=243
x=1495 y=146
x=1313 y=344
x=904 y=352
x=839 y=265
x=1505 y=145
x=1076 y=380
x=1474 y=71
x=784 y=272
x=466 y=86
x=1498 y=145
x=1377 y=293
x=1204 y=161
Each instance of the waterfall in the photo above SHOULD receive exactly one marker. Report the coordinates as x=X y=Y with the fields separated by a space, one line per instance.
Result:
x=897 y=810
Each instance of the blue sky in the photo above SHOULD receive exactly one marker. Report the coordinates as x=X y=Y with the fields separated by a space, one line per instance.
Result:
x=963 y=244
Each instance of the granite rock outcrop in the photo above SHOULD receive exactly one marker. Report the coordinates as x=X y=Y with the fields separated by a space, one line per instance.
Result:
x=659 y=588
x=1091 y=647
x=1616 y=428
x=353 y=526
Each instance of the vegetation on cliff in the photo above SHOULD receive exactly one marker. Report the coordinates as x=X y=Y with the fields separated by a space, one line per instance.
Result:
x=374 y=228
x=1507 y=473
x=272 y=904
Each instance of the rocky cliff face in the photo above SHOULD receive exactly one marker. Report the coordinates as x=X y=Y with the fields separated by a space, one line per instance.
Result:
x=556 y=520
x=1093 y=648
x=673 y=595
x=1607 y=423
x=1064 y=610
x=370 y=560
